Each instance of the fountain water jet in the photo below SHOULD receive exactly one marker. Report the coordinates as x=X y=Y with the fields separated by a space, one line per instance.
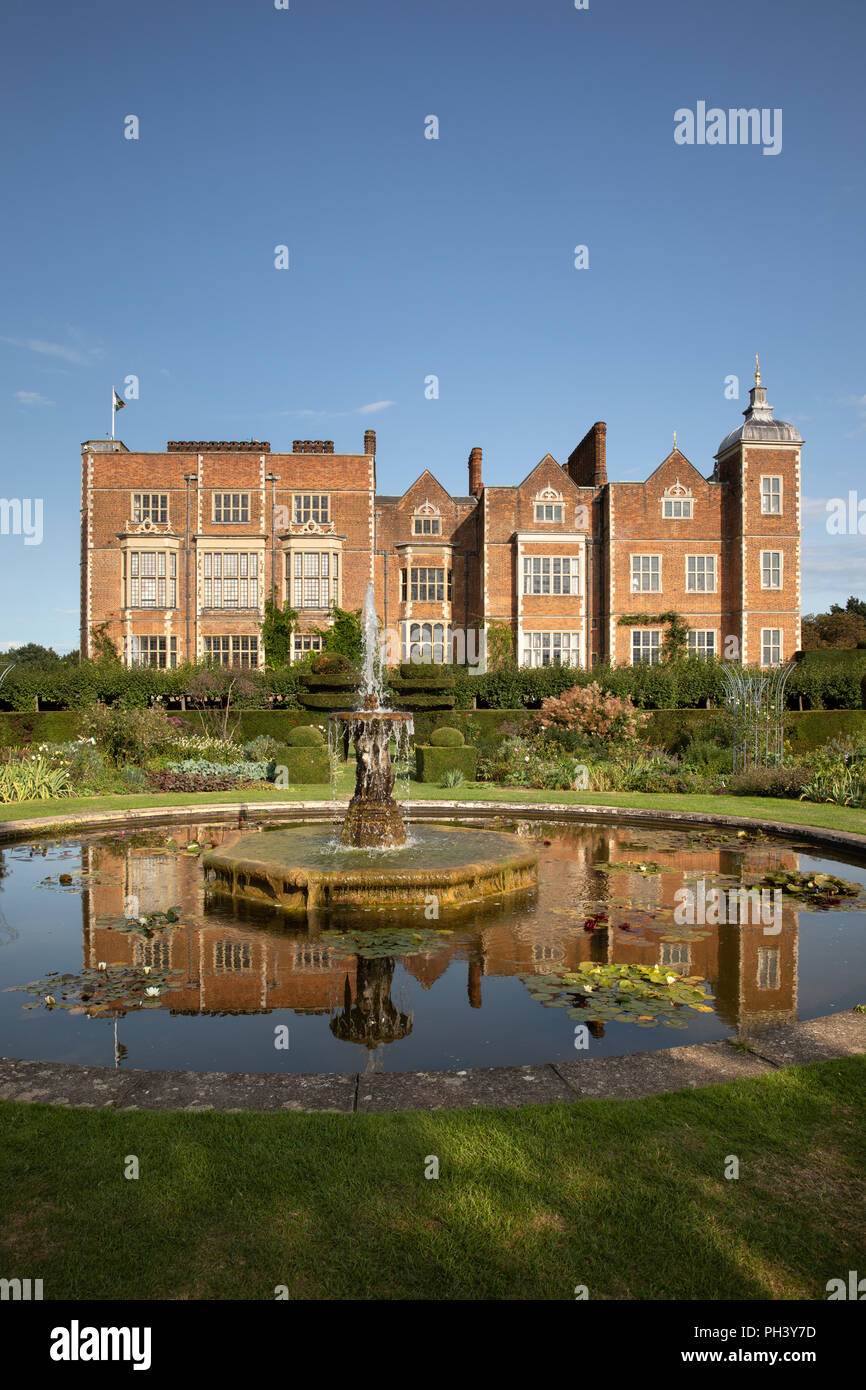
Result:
x=373 y=820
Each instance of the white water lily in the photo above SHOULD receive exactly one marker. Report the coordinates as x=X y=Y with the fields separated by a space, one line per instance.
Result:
x=670 y=979
x=143 y=921
x=152 y=990
x=102 y=965
x=147 y=969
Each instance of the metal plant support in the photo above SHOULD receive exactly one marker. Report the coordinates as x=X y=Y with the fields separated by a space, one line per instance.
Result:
x=756 y=700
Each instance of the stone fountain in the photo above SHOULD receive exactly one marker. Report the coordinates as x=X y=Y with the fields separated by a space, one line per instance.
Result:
x=373 y=820
x=372 y=862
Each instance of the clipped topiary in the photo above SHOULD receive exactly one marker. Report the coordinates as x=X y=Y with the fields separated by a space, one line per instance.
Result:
x=423 y=686
x=305 y=736
x=330 y=683
x=447 y=737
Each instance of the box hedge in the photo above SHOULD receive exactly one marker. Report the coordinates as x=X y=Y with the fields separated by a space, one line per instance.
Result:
x=305 y=736
x=447 y=737
x=432 y=763
x=303 y=765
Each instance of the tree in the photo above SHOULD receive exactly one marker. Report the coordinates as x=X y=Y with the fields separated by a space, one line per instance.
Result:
x=215 y=691
x=840 y=628
x=854 y=605
x=32 y=654
x=278 y=628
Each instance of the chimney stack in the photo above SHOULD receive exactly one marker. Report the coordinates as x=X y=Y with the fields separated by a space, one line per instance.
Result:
x=476 y=487
x=369 y=441
x=587 y=466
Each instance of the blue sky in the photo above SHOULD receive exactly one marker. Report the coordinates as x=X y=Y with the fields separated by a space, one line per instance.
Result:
x=411 y=257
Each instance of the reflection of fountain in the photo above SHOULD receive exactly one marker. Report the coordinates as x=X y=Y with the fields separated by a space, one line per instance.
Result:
x=372 y=1018
x=302 y=869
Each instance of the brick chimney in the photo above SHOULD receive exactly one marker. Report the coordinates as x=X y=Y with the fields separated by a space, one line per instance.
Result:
x=369 y=441
x=476 y=487
x=587 y=464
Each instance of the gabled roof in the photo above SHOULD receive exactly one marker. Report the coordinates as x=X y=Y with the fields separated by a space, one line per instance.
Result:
x=677 y=459
x=542 y=468
x=431 y=485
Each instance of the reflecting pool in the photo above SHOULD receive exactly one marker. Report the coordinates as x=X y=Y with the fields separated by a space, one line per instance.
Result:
x=630 y=941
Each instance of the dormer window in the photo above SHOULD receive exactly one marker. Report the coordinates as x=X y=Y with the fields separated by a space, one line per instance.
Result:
x=549 y=506
x=677 y=502
x=427 y=521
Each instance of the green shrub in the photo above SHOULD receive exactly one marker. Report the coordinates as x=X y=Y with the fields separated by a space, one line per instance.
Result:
x=452 y=777
x=32 y=779
x=786 y=780
x=90 y=770
x=432 y=763
x=446 y=737
x=305 y=736
x=300 y=765
x=128 y=735
x=261 y=748
x=705 y=755
x=134 y=779
x=319 y=700
x=421 y=686
x=202 y=767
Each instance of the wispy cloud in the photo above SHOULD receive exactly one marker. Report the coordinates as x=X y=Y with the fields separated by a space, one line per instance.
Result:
x=859 y=403
x=73 y=611
x=306 y=414
x=830 y=575
x=31 y=398
x=843 y=560
x=80 y=356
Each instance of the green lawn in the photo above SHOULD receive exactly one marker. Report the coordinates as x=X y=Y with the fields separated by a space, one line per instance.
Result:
x=828 y=817
x=628 y=1198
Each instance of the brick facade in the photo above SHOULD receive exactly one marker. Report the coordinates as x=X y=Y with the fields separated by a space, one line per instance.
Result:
x=181 y=548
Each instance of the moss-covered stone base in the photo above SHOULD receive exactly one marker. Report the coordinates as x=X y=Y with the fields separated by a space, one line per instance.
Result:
x=301 y=870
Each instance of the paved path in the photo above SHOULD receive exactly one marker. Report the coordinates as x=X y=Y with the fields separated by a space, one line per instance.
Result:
x=615 y=1078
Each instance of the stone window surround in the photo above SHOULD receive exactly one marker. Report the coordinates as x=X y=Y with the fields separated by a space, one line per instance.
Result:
x=775 y=477
x=254 y=541
x=150 y=541
x=311 y=543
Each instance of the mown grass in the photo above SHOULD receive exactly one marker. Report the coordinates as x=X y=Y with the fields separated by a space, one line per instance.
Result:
x=628 y=1198
x=828 y=817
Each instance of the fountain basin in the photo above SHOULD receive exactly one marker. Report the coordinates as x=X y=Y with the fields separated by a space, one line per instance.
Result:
x=305 y=869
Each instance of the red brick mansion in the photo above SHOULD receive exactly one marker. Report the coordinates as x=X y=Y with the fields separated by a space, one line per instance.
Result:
x=180 y=549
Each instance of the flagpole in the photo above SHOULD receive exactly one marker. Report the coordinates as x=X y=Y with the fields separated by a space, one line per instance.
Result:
x=112 y=412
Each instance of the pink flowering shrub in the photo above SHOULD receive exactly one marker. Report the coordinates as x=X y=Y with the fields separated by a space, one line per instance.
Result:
x=590 y=711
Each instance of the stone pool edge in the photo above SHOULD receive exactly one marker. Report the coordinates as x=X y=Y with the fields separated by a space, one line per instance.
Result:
x=633 y=1076
x=252 y=812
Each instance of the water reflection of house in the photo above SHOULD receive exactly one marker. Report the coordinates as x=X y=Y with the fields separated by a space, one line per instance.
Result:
x=229 y=964
x=225 y=966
